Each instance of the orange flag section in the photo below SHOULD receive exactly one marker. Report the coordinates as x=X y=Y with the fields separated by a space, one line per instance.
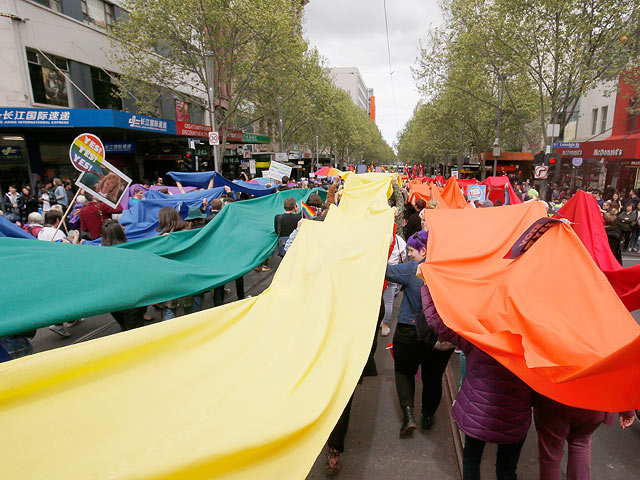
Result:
x=448 y=196
x=575 y=343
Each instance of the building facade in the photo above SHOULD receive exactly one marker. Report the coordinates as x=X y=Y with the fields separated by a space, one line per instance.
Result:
x=604 y=153
x=350 y=80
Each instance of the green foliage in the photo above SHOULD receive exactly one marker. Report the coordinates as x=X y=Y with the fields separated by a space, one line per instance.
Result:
x=264 y=70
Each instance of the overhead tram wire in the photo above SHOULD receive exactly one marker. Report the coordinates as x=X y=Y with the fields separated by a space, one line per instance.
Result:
x=393 y=93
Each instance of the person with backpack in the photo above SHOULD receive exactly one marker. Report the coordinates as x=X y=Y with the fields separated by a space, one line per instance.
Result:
x=414 y=342
x=35 y=223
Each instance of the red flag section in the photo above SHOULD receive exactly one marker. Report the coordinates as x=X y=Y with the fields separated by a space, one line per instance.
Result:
x=582 y=209
x=577 y=343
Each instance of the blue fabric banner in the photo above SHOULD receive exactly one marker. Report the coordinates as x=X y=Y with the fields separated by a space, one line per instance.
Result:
x=8 y=229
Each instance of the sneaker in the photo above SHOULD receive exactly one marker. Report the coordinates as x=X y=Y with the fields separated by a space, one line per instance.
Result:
x=265 y=268
x=385 y=330
x=333 y=462
x=458 y=351
x=60 y=330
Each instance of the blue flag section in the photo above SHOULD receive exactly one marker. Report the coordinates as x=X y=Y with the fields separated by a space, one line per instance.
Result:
x=8 y=229
x=141 y=220
x=202 y=179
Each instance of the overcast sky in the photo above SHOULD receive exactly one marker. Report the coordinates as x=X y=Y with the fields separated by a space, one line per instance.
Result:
x=351 y=33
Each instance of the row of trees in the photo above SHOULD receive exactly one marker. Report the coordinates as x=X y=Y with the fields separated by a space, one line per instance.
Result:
x=264 y=71
x=539 y=56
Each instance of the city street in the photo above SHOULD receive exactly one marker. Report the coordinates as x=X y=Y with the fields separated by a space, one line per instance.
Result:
x=373 y=449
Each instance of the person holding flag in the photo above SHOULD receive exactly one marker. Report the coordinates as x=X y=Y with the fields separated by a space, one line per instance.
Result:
x=415 y=171
x=406 y=168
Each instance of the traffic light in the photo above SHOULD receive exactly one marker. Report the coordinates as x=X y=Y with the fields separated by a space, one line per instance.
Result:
x=189 y=159
x=552 y=160
x=538 y=158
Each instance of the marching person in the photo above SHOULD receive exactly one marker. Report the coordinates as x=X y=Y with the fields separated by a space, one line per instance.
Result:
x=410 y=351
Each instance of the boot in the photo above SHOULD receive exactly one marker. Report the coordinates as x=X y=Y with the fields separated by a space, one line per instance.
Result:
x=408 y=422
x=427 y=422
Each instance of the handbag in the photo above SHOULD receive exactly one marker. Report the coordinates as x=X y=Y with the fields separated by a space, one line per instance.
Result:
x=424 y=332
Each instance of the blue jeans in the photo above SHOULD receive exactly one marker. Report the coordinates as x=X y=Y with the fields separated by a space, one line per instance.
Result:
x=16 y=345
x=168 y=313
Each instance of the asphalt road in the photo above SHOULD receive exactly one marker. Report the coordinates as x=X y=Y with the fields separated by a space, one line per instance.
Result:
x=373 y=449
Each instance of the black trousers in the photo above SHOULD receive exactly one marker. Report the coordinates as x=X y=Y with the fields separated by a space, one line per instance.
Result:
x=409 y=353
x=506 y=460
x=130 y=318
x=218 y=292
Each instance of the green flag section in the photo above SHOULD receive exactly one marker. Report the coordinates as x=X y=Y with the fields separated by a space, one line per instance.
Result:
x=54 y=282
x=249 y=390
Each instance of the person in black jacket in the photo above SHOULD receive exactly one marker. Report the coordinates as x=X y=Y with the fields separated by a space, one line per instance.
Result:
x=627 y=220
x=414 y=223
x=614 y=234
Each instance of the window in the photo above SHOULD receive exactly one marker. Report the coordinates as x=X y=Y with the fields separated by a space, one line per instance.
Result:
x=109 y=15
x=603 y=120
x=98 y=13
x=48 y=83
x=594 y=121
x=105 y=92
x=52 y=4
x=182 y=111
x=631 y=119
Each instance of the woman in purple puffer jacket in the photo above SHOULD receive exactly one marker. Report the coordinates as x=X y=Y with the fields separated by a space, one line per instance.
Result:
x=493 y=404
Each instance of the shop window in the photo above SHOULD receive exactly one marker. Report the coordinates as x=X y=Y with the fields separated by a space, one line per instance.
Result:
x=52 y=4
x=48 y=83
x=594 y=121
x=603 y=120
x=183 y=111
x=105 y=92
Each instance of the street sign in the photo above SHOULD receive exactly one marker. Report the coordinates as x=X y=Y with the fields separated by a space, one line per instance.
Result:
x=553 y=130
x=576 y=161
x=566 y=144
x=541 y=172
x=246 y=154
x=252 y=167
x=214 y=138
x=454 y=173
x=281 y=157
x=294 y=155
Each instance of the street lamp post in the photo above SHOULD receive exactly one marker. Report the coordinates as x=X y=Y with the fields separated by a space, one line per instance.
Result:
x=210 y=76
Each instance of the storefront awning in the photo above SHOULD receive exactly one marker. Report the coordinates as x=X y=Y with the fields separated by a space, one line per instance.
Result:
x=615 y=147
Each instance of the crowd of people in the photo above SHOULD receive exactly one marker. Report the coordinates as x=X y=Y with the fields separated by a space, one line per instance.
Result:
x=493 y=405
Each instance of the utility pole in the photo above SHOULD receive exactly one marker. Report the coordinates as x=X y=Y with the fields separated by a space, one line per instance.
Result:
x=496 y=144
x=210 y=74
x=280 y=123
x=317 y=153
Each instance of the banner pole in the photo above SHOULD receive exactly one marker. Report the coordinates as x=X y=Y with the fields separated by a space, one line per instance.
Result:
x=71 y=203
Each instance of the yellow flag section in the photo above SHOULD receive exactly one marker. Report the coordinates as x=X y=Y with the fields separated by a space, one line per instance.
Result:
x=249 y=390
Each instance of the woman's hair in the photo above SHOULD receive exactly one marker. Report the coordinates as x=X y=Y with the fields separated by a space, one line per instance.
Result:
x=58 y=208
x=433 y=204
x=112 y=233
x=418 y=240
x=169 y=221
x=610 y=219
x=35 y=217
x=108 y=176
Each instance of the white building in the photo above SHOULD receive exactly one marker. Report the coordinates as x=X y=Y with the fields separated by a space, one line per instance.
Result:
x=350 y=80
x=595 y=117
